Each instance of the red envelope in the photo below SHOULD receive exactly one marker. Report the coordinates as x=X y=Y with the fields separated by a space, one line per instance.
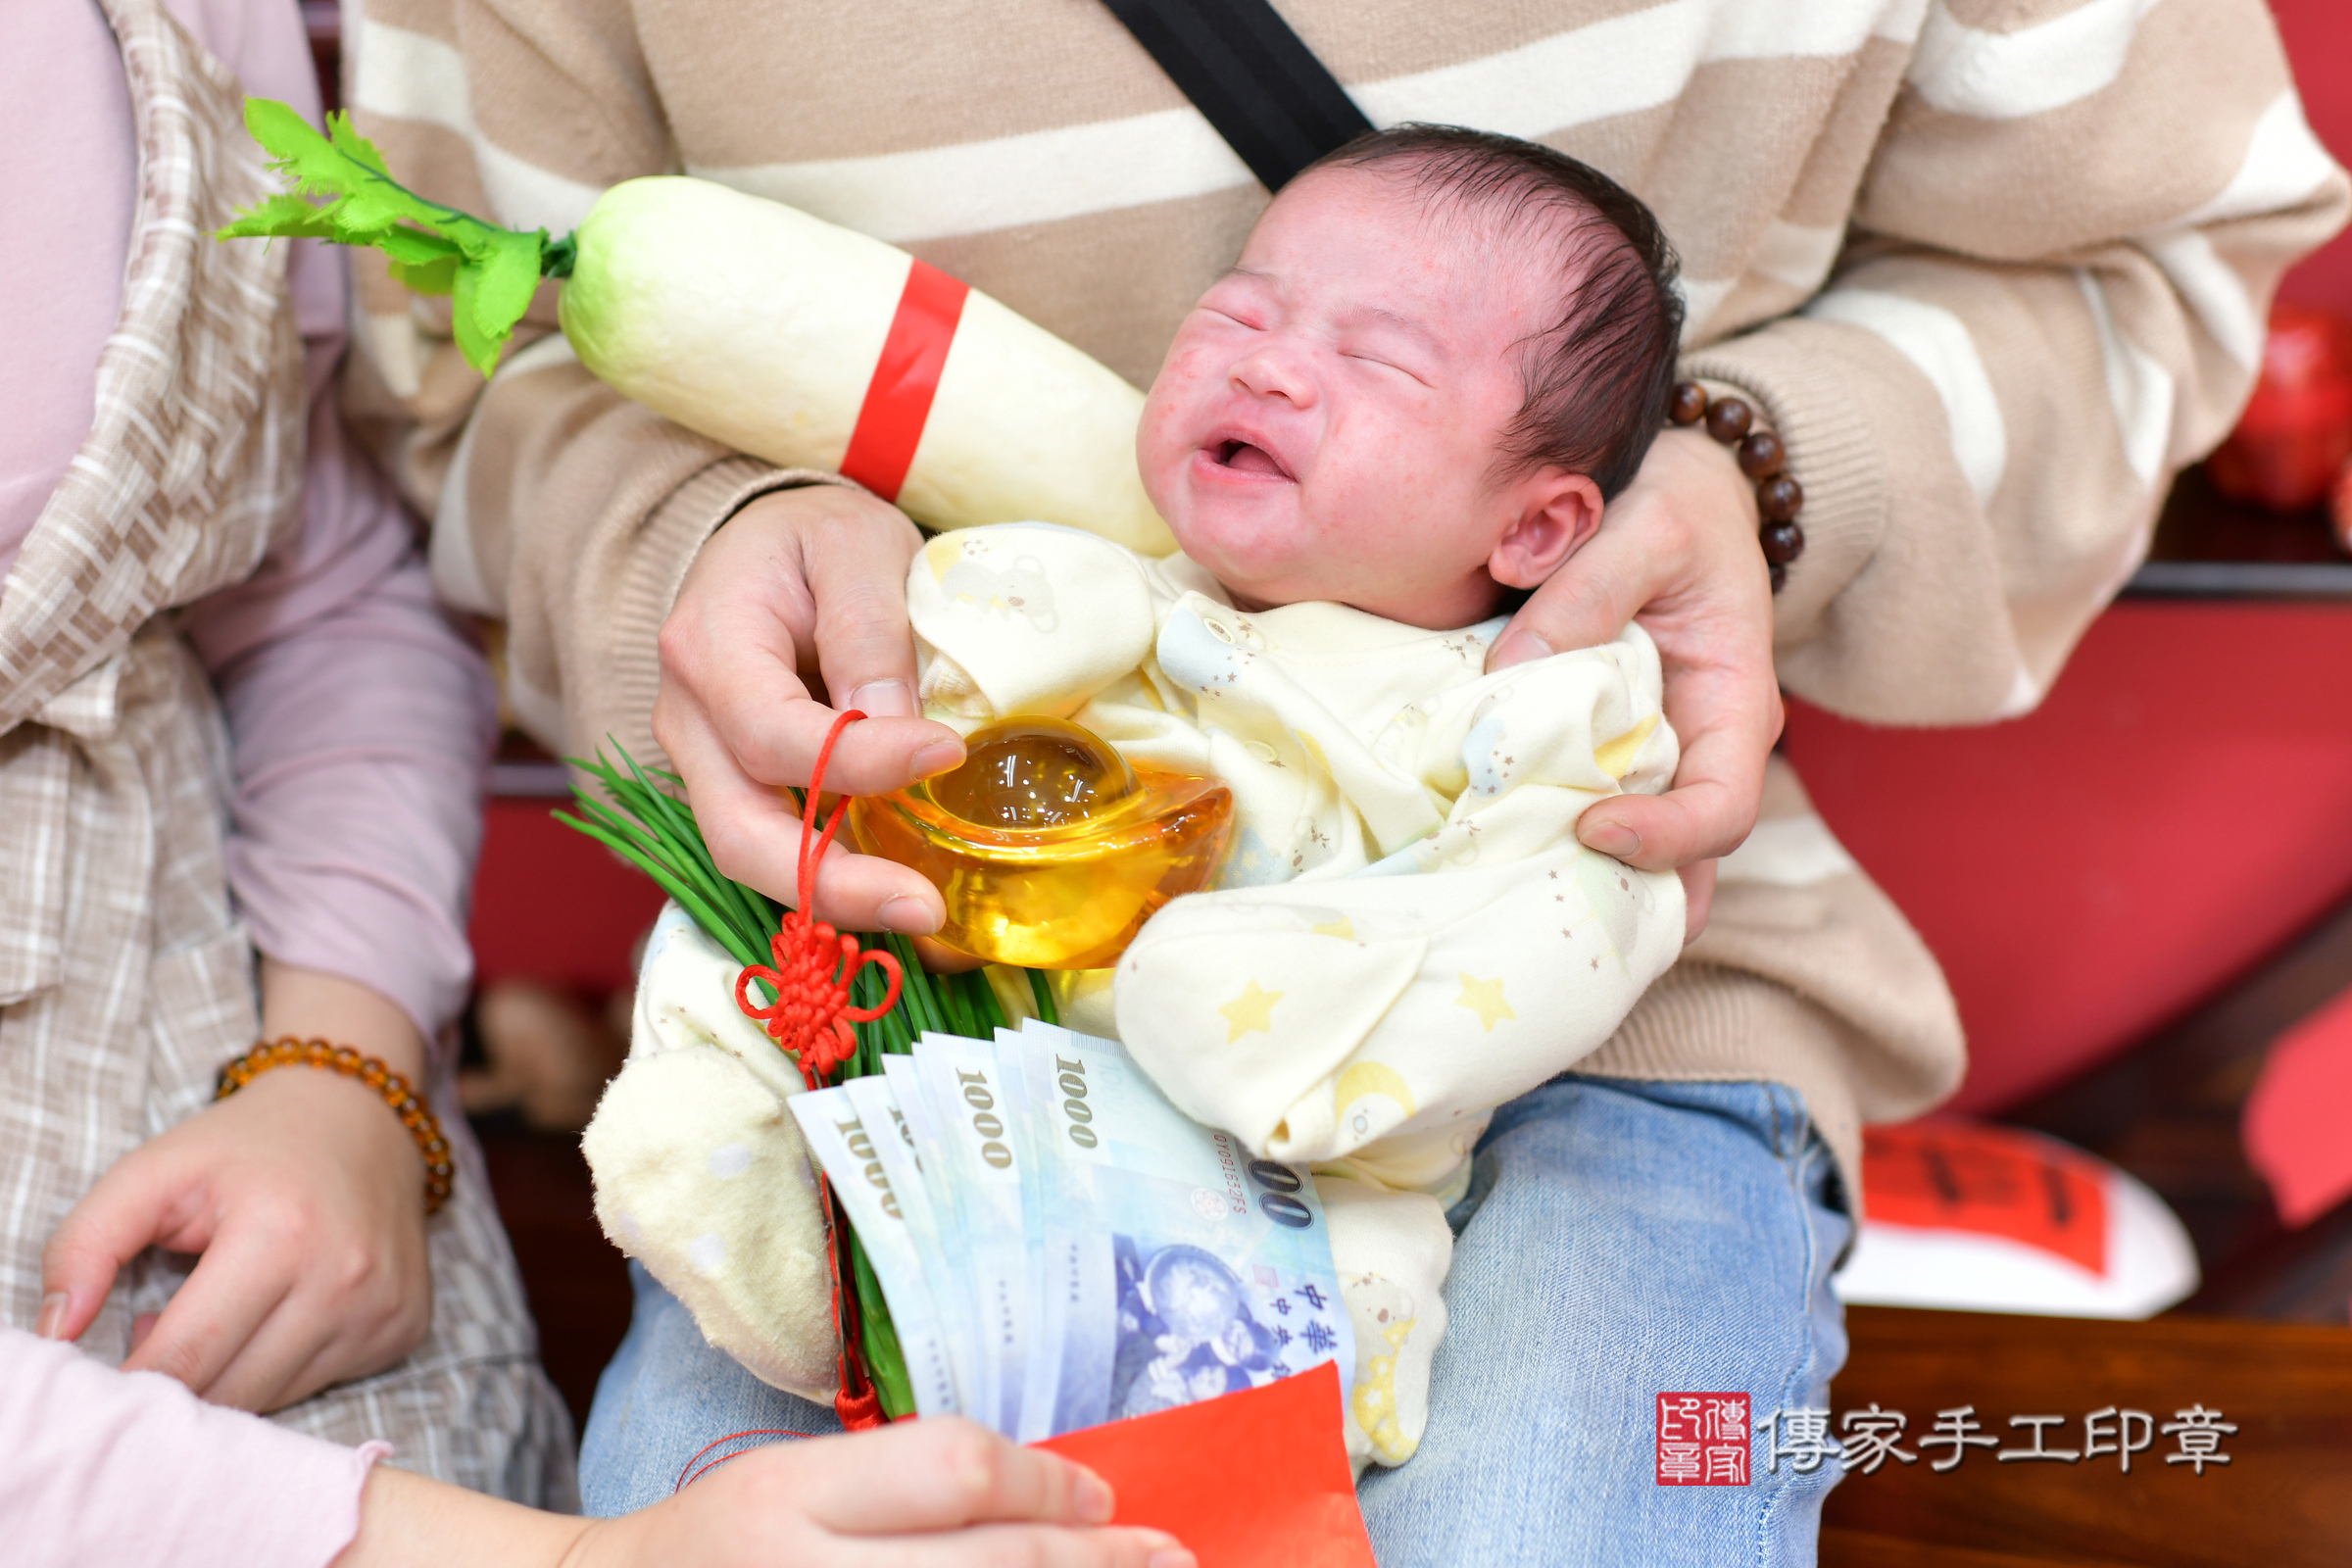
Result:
x=1252 y=1480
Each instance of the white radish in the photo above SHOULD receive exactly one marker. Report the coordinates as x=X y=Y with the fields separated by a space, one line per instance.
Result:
x=760 y=327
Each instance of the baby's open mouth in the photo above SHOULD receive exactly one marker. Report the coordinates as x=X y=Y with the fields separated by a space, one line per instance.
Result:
x=1245 y=457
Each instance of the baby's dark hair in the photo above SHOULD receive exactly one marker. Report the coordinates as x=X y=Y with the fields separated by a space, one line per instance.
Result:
x=1597 y=379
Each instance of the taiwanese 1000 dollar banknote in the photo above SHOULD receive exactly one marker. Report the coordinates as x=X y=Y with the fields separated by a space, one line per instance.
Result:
x=893 y=1128
x=1080 y=1250
x=972 y=1167
x=1178 y=1266
x=847 y=1148
x=941 y=1234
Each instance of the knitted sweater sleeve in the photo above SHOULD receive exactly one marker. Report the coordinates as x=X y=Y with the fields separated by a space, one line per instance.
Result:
x=2051 y=296
x=557 y=505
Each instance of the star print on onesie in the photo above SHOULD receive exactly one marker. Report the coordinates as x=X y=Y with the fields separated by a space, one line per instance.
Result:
x=1405 y=932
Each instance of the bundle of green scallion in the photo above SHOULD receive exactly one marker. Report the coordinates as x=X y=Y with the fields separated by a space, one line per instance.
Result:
x=654 y=830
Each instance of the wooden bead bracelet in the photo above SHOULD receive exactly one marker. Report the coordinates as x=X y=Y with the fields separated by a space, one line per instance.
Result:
x=391 y=1087
x=1763 y=459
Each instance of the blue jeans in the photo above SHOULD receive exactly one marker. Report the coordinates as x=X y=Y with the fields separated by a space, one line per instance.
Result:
x=1620 y=1240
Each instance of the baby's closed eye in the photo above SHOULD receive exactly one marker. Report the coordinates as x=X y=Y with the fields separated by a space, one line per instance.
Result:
x=1241 y=316
x=1383 y=362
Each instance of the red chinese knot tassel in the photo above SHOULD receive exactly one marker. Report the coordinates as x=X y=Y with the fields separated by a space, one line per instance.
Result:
x=815 y=964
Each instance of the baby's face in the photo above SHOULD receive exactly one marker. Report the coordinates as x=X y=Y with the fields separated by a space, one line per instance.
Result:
x=1327 y=422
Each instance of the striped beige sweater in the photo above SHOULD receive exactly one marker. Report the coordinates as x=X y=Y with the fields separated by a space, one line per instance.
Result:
x=1994 y=269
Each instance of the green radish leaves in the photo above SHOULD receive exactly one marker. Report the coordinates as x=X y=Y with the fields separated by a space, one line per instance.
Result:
x=489 y=272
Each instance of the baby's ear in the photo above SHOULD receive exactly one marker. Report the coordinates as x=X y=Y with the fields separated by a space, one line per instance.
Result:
x=1557 y=512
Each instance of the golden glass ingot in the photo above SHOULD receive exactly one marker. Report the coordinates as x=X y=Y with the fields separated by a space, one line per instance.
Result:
x=1051 y=850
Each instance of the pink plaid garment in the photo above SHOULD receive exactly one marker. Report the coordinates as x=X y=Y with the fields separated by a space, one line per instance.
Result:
x=230 y=717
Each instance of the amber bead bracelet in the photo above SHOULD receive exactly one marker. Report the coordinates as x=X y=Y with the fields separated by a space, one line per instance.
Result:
x=422 y=1125
x=1762 y=458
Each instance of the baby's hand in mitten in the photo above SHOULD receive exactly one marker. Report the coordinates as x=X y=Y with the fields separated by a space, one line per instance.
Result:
x=1391 y=1251
x=701 y=1175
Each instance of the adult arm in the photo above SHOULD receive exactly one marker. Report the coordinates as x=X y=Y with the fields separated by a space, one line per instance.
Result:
x=358 y=723
x=580 y=518
x=2051 y=297
x=106 y=1469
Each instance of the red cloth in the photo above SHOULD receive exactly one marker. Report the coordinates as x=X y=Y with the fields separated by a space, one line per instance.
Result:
x=2296 y=1117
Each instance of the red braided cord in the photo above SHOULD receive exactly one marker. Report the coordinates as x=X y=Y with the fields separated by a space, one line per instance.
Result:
x=815 y=964
x=857 y=1402
x=690 y=1474
x=810 y=1019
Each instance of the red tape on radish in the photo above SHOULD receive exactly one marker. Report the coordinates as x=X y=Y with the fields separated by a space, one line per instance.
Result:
x=898 y=400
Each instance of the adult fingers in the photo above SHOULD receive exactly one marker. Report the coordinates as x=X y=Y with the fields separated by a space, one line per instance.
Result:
x=237 y=1286
x=755 y=837
x=1698 y=898
x=729 y=668
x=134 y=1206
x=820 y=571
x=941 y=1474
x=856 y=551
x=1672 y=540
x=1019 y=1547
x=358 y=1305
x=1727 y=721
x=1590 y=598
x=284 y=1359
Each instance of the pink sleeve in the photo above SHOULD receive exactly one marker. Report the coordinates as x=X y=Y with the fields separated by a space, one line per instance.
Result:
x=361 y=719
x=361 y=723
x=107 y=1469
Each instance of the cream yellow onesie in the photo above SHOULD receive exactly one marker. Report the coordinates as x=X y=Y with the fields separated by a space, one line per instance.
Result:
x=1405 y=932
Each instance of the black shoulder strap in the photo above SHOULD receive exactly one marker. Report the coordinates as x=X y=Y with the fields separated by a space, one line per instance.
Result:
x=1244 y=69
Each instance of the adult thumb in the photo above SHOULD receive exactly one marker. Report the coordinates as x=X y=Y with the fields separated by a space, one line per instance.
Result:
x=1586 y=602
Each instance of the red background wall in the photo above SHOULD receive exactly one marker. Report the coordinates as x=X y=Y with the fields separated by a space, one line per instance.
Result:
x=549 y=905
x=2319 y=40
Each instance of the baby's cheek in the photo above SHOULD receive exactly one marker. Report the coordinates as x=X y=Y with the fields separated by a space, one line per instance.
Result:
x=1160 y=441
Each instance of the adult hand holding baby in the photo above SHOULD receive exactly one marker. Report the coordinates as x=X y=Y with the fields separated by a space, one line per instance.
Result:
x=812 y=581
x=1677 y=552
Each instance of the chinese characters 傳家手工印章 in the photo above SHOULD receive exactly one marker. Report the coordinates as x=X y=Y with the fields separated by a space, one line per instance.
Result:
x=1803 y=1437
